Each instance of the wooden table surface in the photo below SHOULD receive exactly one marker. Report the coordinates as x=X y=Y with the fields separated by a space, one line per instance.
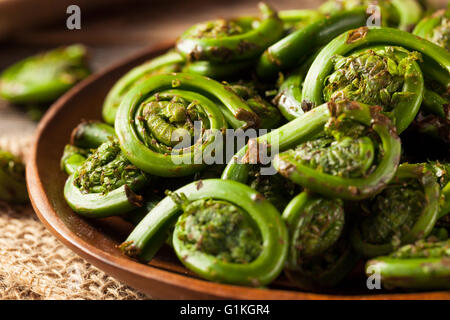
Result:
x=114 y=32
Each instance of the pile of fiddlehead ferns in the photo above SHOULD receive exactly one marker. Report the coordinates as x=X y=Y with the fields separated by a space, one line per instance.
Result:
x=340 y=101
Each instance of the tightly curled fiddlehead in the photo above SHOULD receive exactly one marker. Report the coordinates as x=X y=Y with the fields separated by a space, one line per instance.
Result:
x=44 y=77
x=406 y=107
x=168 y=62
x=402 y=213
x=12 y=179
x=385 y=77
x=354 y=158
x=231 y=40
x=315 y=224
x=104 y=184
x=299 y=45
x=422 y=265
x=148 y=115
x=217 y=228
x=318 y=254
x=247 y=242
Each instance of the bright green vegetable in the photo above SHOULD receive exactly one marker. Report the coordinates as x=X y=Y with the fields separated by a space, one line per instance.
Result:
x=219 y=71
x=104 y=184
x=44 y=77
x=287 y=136
x=385 y=76
x=12 y=179
x=289 y=97
x=231 y=40
x=319 y=256
x=404 y=212
x=315 y=224
x=347 y=161
x=435 y=28
x=91 y=134
x=422 y=265
x=73 y=157
x=143 y=130
x=323 y=65
x=299 y=45
x=249 y=216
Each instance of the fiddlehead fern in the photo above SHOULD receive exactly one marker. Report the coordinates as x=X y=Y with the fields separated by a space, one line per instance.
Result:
x=435 y=28
x=231 y=40
x=434 y=119
x=254 y=250
x=299 y=45
x=411 y=98
x=315 y=224
x=144 y=142
x=387 y=77
x=87 y=136
x=404 y=212
x=12 y=179
x=319 y=256
x=422 y=265
x=104 y=184
x=354 y=158
x=44 y=77
x=168 y=62
x=217 y=228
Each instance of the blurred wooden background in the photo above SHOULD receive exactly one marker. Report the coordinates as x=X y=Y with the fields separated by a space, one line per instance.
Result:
x=112 y=29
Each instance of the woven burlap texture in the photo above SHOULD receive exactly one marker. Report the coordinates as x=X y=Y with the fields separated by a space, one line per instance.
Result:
x=35 y=265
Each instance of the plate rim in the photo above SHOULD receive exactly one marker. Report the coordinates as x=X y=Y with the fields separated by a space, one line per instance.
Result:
x=118 y=267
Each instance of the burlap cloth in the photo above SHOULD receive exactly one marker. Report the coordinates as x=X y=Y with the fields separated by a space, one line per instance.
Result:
x=35 y=265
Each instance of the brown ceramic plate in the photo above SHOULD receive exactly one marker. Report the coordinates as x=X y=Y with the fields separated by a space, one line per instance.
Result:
x=96 y=240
